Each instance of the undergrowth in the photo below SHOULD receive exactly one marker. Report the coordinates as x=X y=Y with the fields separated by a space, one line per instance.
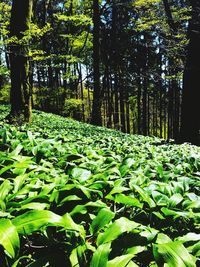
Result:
x=72 y=194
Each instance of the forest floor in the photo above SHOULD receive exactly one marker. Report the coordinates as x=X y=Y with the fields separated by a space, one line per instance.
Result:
x=72 y=194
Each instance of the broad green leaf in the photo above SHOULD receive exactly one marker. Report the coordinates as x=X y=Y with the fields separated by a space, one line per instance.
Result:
x=174 y=254
x=80 y=250
x=195 y=249
x=133 y=264
x=144 y=195
x=69 y=198
x=100 y=256
x=160 y=170
x=80 y=174
x=189 y=237
x=83 y=208
x=175 y=200
x=160 y=199
x=5 y=188
x=104 y=216
x=158 y=215
x=149 y=233
x=69 y=224
x=169 y=212
x=116 y=229
x=34 y=206
x=35 y=219
x=120 y=261
x=135 y=250
x=125 y=167
x=18 y=182
x=162 y=238
x=193 y=205
x=128 y=200
x=16 y=151
x=9 y=238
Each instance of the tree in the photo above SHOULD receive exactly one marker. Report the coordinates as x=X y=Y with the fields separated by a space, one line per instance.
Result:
x=96 y=109
x=20 y=94
x=190 y=123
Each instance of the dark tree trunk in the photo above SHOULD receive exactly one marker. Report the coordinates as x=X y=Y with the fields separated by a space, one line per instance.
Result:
x=190 y=123
x=20 y=94
x=128 y=128
x=122 y=106
x=170 y=19
x=139 y=104
x=144 y=107
x=96 y=108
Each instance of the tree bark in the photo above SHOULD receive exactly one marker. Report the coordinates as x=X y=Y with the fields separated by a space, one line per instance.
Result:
x=190 y=123
x=20 y=94
x=96 y=108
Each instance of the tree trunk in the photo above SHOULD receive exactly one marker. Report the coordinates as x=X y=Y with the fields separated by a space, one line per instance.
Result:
x=20 y=94
x=190 y=123
x=96 y=108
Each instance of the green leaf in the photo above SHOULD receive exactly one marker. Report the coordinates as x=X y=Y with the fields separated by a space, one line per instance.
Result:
x=34 y=206
x=144 y=195
x=69 y=224
x=162 y=238
x=175 y=200
x=120 y=261
x=35 y=219
x=135 y=250
x=104 y=216
x=116 y=229
x=9 y=238
x=18 y=182
x=5 y=189
x=174 y=254
x=169 y=212
x=80 y=250
x=83 y=208
x=100 y=257
x=80 y=174
x=128 y=200
x=125 y=167
x=16 y=151
x=189 y=237
x=160 y=199
x=195 y=249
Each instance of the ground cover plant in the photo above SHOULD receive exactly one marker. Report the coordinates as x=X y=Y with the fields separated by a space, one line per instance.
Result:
x=72 y=194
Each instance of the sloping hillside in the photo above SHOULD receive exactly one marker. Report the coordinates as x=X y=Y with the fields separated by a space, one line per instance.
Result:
x=72 y=194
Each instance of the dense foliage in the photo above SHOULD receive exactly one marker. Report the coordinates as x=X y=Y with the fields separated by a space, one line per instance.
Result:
x=72 y=194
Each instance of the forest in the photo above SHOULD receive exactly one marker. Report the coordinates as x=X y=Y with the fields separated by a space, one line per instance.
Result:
x=99 y=133
x=127 y=65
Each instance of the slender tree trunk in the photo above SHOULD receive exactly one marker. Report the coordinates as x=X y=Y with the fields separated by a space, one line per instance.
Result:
x=139 y=104
x=20 y=94
x=144 y=107
x=109 y=97
x=128 y=128
x=82 y=93
x=116 y=108
x=96 y=108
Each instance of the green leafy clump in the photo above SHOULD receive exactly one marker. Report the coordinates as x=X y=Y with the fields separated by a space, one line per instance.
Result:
x=72 y=194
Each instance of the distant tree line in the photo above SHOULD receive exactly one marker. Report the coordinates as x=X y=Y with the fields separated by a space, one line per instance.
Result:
x=130 y=65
